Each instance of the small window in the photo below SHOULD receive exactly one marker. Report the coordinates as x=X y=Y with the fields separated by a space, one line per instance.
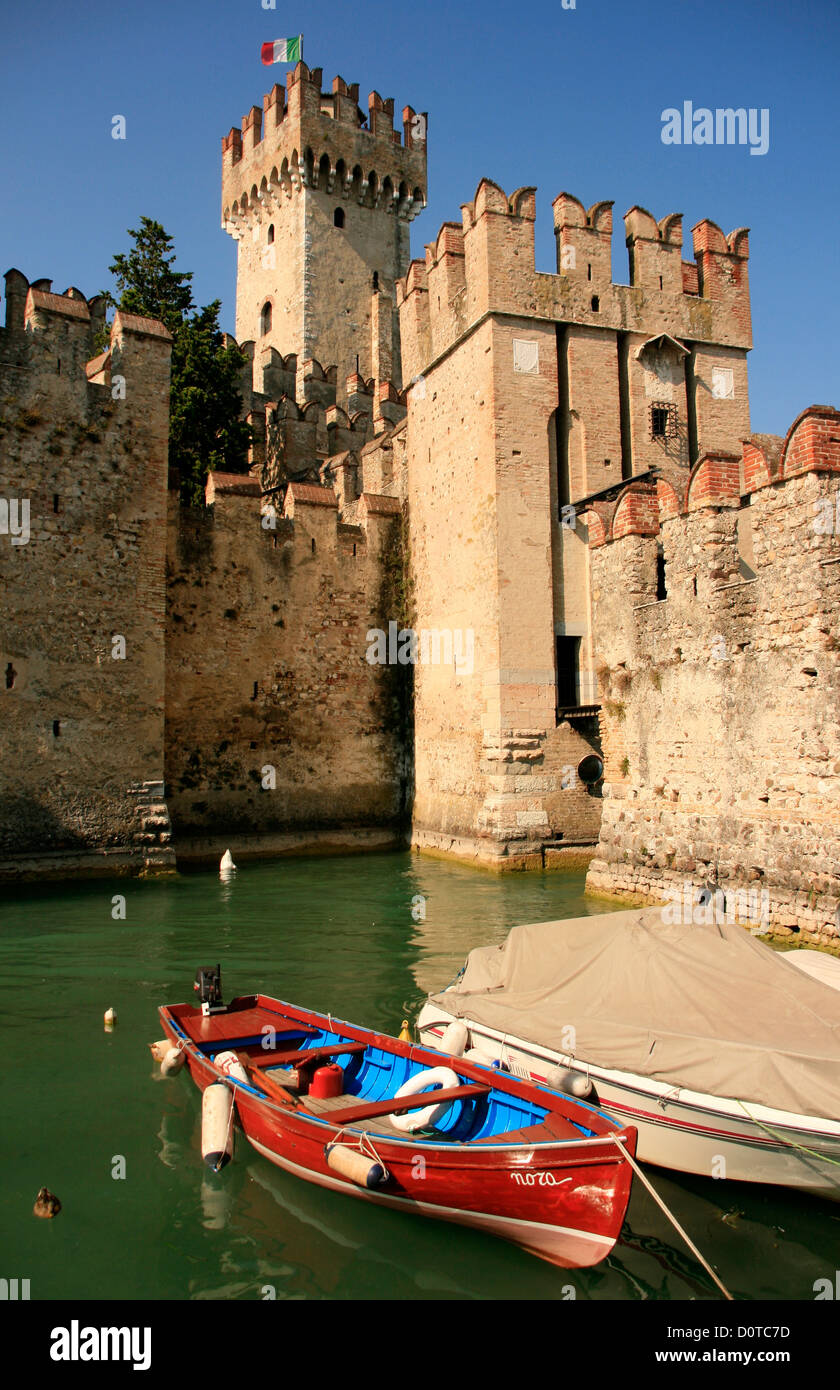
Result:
x=56 y=728
x=56 y=503
x=589 y=272
x=338 y=217
x=376 y=280
x=596 y=304
x=270 y=237
x=663 y=420
x=265 y=320
x=11 y=676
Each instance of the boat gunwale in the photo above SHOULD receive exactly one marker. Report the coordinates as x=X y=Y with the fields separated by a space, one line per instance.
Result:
x=672 y=1092
x=605 y=1140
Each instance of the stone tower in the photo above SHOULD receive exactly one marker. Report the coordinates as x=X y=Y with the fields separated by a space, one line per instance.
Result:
x=318 y=196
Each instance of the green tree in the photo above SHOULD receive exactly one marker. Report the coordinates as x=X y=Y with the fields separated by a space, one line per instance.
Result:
x=146 y=282
x=205 y=429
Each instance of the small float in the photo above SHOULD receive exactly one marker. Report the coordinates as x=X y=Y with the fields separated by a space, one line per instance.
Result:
x=405 y=1126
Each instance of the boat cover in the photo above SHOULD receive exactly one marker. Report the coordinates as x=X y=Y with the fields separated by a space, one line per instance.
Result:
x=707 y=1007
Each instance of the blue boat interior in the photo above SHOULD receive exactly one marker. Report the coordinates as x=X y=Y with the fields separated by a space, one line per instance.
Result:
x=377 y=1075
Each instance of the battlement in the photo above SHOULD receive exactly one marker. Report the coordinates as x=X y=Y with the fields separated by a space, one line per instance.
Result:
x=313 y=516
x=486 y=264
x=720 y=480
x=50 y=342
x=305 y=138
x=298 y=416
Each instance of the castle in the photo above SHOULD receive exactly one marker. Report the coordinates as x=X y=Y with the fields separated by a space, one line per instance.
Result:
x=540 y=491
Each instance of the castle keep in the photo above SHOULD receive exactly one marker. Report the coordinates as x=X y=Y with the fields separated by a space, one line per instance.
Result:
x=551 y=472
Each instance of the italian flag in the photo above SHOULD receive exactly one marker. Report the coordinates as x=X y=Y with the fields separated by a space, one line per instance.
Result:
x=283 y=51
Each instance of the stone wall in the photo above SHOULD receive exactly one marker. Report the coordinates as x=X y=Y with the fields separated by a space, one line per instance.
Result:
x=84 y=447
x=721 y=702
x=278 y=729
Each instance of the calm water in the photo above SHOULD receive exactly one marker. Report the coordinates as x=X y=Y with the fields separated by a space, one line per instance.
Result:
x=335 y=934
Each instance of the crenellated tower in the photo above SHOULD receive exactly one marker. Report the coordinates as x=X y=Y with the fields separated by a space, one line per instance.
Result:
x=319 y=196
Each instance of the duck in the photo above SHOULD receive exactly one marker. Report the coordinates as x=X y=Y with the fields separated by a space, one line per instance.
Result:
x=46 y=1204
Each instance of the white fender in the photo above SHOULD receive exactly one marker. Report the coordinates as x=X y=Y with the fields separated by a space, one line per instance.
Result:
x=413 y=1120
x=574 y=1083
x=217 y=1125
x=231 y=1066
x=455 y=1037
x=172 y=1061
x=476 y=1054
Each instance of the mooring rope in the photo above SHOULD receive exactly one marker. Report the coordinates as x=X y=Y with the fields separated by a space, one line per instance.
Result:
x=670 y=1215
x=791 y=1143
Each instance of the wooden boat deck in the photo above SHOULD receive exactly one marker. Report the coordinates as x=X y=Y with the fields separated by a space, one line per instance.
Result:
x=555 y=1128
x=377 y=1124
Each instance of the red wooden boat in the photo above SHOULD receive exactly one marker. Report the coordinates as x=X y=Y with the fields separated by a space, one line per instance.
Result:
x=341 y=1105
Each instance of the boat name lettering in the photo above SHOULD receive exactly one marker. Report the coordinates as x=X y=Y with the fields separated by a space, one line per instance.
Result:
x=535 y=1179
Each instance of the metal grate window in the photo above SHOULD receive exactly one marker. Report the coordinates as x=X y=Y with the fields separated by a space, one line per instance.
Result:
x=663 y=420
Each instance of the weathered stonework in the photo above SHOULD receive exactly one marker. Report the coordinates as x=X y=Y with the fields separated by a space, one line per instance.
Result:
x=514 y=466
x=531 y=393
x=721 y=702
x=84 y=445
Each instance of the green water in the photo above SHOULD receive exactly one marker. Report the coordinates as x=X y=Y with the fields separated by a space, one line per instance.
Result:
x=335 y=934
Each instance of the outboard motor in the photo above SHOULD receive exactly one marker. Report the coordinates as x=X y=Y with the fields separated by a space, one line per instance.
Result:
x=208 y=986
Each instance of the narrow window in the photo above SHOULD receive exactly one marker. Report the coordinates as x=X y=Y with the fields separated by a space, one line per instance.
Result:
x=589 y=272
x=56 y=503
x=660 y=282
x=376 y=279
x=265 y=320
x=661 y=591
x=596 y=304
x=11 y=676
x=338 y=217
x=56 y=728
x=59 y=366
x=270 y=237
x=313 y=545
x=256 y=690
x=567 y=656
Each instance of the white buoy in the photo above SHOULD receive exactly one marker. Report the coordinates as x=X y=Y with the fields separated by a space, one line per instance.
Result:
x=358 y=1167
x=226 y=864
x=231 y=1066
x=110 y=1020
x=217 y=1125
x=160 y=1049
x=455 y=1038
x=172 y=1061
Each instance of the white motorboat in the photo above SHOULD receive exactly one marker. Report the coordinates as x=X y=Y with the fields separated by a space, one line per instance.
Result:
x=724 y=1056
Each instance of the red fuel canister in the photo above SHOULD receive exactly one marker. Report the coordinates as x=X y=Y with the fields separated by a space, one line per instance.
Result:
x=327 y=1082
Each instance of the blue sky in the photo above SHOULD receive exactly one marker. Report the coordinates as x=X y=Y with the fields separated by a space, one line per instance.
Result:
x=530 y=94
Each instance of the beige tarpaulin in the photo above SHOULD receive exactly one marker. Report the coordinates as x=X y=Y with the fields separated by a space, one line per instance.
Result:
x=706 y=1007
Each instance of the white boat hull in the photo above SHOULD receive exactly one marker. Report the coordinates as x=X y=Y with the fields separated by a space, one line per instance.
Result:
x=678 y=1128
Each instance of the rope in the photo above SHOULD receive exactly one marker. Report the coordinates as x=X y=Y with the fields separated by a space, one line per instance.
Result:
x=670 y=1215
x=218 y=1165
x=354 y=1141
x=790 y=1143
